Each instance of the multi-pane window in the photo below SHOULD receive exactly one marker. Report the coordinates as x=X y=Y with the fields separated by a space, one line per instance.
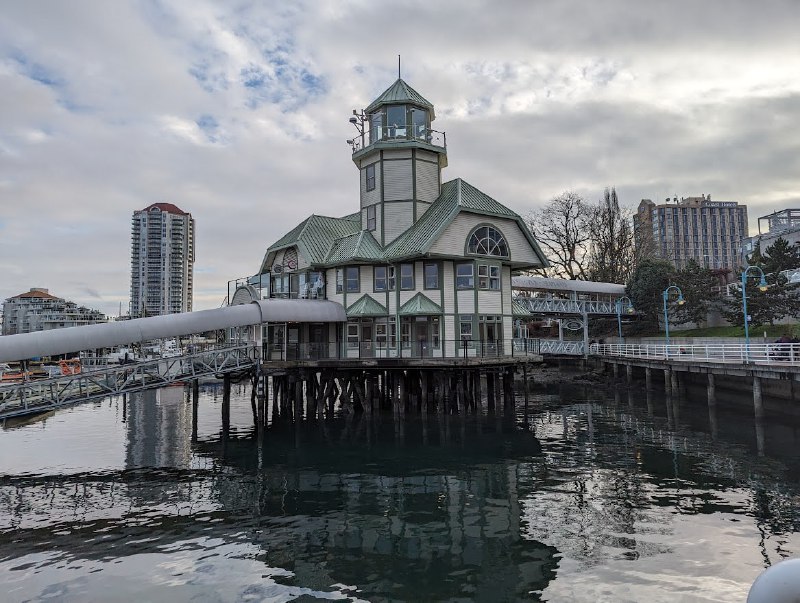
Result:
x=352 y=334
x=370 y=177
x=351 y=278
x=465 y=276
x=370 y=217
x=465 y=327
x=486 y=240
x=431 y=273
x=347 y=279
x=406 y=277
x=379 y=273
x=405 y=332
x=435 y=331
x=488 y=277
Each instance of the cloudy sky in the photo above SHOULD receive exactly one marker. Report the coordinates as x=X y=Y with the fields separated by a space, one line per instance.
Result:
x=237 y=112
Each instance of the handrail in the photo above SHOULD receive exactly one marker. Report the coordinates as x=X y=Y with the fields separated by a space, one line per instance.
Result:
x=776 y=354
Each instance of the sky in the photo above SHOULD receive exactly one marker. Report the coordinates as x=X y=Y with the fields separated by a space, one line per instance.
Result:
x=238 y=113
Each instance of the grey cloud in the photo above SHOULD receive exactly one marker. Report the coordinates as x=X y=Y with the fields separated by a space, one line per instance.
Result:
x=536 y=98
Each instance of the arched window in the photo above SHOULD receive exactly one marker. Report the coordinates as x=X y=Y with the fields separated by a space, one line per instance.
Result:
x=486 y=240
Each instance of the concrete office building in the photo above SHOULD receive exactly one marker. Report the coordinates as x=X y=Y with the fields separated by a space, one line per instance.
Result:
x=709 y=232
x=162 y=260
x=38 y=310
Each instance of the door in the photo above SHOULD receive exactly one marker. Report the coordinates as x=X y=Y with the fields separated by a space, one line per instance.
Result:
x=366 y=340
x=293 y=350
x=421 y=337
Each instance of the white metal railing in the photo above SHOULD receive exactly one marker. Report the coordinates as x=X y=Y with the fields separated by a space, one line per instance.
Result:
x=779 y=354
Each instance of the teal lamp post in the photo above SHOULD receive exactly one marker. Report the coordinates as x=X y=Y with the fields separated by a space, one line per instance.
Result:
x=681 y=301
x=762 y=285
x=628 y=309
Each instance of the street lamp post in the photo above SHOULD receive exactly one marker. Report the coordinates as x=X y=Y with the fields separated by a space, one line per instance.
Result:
x=762 y=285
x=628 y=308
x=681 y=301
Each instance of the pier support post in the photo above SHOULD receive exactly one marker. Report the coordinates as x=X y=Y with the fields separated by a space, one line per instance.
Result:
x=195 y=404
x=674 y=382
x=668 y=381
x=758 y=402
x=629 y=373
x=711 y=390
x=648 y=378
x=226 y=406
x=615 y=368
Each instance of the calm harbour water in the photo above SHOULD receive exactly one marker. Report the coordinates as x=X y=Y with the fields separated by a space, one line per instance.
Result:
x=590 y=496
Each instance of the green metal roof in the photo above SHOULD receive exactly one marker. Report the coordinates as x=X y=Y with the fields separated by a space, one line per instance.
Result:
x=366 y=306
x=359 y=246
x=519 y=309
x=315 y=236
x=419 y=305
x=400 y=92
x=456 y=196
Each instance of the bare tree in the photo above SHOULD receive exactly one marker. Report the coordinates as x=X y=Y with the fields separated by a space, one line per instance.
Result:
x=562 y=229
x=612 y=253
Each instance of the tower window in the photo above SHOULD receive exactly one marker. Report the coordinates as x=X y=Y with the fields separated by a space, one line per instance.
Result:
x=370 y=177
x=486 y=240
x=370 y=217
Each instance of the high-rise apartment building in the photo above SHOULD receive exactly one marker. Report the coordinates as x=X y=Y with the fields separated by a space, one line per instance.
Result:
x=162 y=260
x=709 y=232
x=38 y=310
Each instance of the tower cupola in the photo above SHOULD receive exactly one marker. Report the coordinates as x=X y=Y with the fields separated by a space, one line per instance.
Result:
x=400 y=158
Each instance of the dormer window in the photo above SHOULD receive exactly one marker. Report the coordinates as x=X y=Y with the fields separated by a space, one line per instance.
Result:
x=486 y=240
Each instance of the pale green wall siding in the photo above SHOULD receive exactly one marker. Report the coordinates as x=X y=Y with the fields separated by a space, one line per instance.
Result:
x=489 y=302
x=374 y=196
x=397 y=219
x=427 y=181
x=397 y=184
x=466 y=301
x=455 y=236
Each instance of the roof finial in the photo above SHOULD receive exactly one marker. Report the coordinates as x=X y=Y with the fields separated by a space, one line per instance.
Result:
x=398 y=67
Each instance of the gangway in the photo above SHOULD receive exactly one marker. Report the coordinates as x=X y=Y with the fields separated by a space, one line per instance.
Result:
x=48 y=394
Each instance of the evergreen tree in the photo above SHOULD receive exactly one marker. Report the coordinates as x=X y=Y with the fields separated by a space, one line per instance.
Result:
x=781 y=298
x=700 y=289
x=645 y=289
x=781 y=256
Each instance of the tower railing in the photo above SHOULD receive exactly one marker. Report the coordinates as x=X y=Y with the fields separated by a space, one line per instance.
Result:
x=399 y=133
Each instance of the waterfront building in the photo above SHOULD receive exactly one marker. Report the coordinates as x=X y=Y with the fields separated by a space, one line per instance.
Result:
x=692 y=228
x=38 y=310
x=162 y=260
x=423 y=267
x=783 y=224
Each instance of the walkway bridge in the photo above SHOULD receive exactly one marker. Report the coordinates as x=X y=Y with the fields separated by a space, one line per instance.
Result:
x=48 y=394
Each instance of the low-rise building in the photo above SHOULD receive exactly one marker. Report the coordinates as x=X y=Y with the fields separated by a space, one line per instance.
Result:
x=38 y=310
x=783 y=224
x=423 y=268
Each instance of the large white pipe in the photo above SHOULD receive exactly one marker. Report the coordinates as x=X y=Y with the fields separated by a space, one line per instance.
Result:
x=110 y=334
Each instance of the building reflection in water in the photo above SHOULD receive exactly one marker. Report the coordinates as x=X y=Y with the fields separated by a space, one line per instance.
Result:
x=159 y=429
x=352 y=501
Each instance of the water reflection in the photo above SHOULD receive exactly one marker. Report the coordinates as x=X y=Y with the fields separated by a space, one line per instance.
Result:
x=576 y=497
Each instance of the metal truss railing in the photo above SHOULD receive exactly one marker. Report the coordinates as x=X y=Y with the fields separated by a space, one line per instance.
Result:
x=561 y=348
x=543 y=305
x=776 y=354
x=46 y=394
